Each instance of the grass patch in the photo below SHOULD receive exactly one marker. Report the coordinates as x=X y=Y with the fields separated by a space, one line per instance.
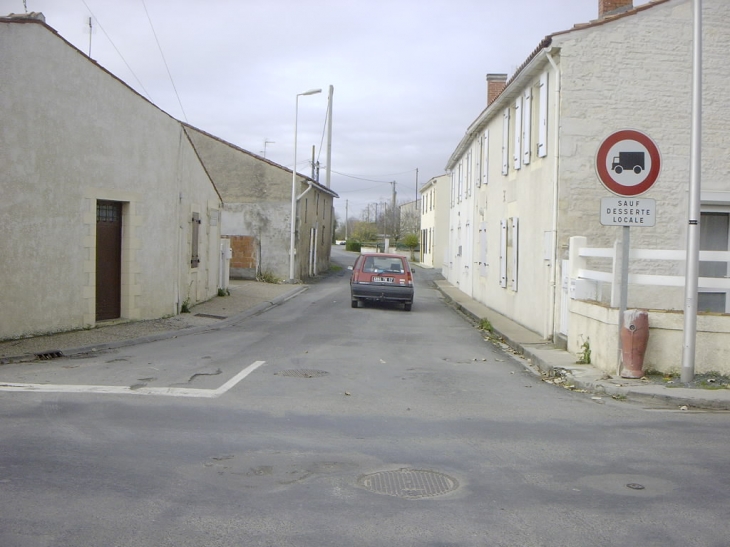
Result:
x=267 y=277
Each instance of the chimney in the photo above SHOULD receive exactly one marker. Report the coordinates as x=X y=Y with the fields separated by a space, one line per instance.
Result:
x=495 y=85
x=613 y=7
x=37 y=15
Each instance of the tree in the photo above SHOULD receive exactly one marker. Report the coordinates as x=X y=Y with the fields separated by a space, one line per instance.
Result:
x=411 y=241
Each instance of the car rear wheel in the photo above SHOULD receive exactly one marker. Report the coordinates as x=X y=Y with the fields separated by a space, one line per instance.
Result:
x=354 y=303
x=407 y=306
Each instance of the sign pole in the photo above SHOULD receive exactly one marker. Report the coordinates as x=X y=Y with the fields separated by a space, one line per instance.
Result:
x=693 y=228
x=623 y=304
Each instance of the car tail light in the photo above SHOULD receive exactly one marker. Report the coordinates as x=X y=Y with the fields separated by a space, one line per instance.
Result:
x=409 y=278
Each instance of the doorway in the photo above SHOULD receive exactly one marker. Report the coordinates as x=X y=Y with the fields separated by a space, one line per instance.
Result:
x=108 y=259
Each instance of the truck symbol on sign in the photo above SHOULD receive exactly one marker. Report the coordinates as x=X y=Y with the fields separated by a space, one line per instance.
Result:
x=633 y=161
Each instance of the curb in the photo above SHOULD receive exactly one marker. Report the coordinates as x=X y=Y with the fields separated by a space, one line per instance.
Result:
x=229 y=321
x=535 y=362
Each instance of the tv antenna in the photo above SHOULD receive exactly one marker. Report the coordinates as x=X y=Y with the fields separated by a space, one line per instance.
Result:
x=267 y=142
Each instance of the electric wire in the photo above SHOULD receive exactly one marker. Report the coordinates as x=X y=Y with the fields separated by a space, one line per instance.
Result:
x=165 y=61
x=147 y=94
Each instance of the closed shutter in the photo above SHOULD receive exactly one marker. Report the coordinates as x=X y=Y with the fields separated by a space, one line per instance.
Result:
x=503 y=254
x=517 y=153
x=543 y=117
x=485 y=158
x=526 y=126
x=505 y=142
x=483 y=249
x=515 y=251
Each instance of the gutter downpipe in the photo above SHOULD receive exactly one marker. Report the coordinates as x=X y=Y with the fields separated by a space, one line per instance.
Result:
x=554 y=273
x=300 y=196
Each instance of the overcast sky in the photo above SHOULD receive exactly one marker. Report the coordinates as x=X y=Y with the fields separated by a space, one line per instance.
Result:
x=409 y=76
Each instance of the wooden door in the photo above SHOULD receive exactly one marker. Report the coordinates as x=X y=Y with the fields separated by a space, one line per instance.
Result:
x=108 y=259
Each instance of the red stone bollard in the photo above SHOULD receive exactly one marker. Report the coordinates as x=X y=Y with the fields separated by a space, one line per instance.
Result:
x=634 y=338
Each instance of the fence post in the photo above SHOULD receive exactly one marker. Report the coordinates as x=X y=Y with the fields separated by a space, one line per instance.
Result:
x=577 y=262
x=615 y=276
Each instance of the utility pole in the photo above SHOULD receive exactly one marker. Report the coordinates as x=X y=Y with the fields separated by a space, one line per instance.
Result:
x=347 y=213
x=313 y=178
x=329 y=137
x=416 y=184
x=392 y=212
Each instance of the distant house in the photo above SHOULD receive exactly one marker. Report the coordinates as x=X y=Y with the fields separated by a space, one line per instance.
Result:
x=434 y=221
x=524 y=182
x=256 y=213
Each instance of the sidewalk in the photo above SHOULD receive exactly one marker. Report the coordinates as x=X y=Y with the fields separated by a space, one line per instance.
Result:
x=560 y=367
x=246 y=298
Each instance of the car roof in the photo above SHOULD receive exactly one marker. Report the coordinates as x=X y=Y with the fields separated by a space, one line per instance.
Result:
x=384 y=255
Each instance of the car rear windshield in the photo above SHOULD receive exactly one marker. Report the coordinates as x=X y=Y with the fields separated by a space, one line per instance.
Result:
x=377 y=264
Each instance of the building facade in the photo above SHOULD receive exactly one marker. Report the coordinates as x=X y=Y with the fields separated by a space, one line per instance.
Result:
x=256 y=213
x=434 y=221
x=524 y=175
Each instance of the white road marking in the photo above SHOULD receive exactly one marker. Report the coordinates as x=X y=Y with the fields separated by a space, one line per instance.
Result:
x=124 y=390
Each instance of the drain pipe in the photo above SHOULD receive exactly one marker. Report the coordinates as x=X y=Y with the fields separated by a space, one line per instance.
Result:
x=300 y=196
x=556 y=173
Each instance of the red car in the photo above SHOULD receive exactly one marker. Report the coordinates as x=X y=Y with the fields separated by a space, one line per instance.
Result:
x=382 y=278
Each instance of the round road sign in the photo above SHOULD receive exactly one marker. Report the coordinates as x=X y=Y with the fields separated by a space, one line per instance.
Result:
x=628 y=163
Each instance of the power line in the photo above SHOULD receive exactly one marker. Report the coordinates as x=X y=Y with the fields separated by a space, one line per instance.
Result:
x=165 y=61
x=118 y=52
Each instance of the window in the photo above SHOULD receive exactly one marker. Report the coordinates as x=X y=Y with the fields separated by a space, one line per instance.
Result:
x=714 y=236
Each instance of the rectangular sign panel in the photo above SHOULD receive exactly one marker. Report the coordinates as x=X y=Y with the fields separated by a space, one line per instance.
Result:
x=621 y=211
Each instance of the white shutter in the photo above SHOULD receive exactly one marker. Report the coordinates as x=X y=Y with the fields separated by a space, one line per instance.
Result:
x=485 y=157
x=483 y=249
x=503 y=253
x=527 y=126
x=453 y=187
x=543 y=118
x=478 y=163
x=505 y=141
x=517 y=155
x=460 y=190
x=515 y=253
x=468 y=173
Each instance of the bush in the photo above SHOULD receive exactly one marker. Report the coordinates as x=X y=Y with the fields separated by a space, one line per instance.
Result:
x=353 y=245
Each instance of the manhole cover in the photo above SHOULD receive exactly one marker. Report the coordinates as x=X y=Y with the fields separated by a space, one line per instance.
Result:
x=303 y=373
x=409 y=483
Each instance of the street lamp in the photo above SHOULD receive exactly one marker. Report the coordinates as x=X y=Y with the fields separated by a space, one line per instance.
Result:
x=294 y=184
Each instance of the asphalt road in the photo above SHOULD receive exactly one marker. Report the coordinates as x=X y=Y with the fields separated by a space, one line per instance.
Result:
x=368 y=427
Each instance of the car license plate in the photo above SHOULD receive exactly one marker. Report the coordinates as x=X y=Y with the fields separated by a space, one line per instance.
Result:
x=379 y=279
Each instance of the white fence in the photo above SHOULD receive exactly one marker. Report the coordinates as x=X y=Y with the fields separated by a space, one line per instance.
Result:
x=579 y=252
x=586 y=315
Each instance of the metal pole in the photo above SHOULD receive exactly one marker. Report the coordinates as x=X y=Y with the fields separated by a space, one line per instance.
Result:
x=693 y=226
x=294 y=185
x=623 y=303
x=329 y=137
x=347 y=204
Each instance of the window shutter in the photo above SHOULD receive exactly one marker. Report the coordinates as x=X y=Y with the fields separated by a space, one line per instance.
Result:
x=515 y=253
x=483 y=249
x=527 y=126
x=485 y=158
x=543 y=106
x=505 y=142
x=468 y=173
x=453 y=187
x=518 y=134
x=503 y=254
x=460 y=189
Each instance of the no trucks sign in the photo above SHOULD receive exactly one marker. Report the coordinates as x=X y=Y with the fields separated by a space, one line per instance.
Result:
x=628 y=163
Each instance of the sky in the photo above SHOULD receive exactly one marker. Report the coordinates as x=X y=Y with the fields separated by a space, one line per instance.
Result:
x=409 y=76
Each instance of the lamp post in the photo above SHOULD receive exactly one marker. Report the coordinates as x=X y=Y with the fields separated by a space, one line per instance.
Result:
x=294 y=185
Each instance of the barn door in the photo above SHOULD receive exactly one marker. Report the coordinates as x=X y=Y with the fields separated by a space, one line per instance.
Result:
x=108 y=259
